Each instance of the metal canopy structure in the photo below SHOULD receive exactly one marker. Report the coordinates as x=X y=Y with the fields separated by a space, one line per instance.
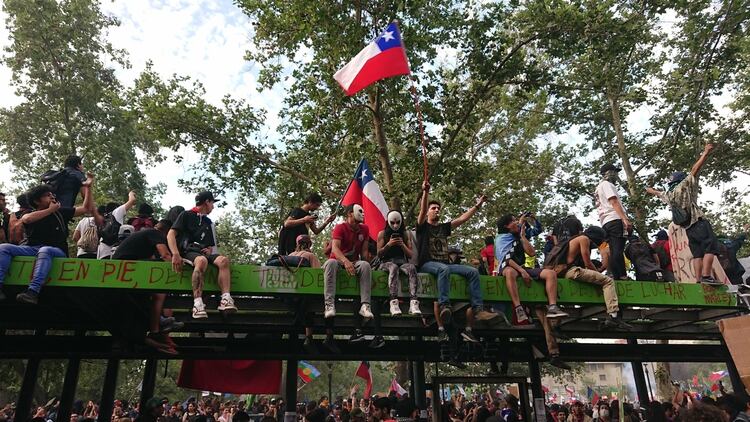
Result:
x=99 y=309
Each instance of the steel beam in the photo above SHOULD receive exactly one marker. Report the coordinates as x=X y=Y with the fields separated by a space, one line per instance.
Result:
x=107 y=402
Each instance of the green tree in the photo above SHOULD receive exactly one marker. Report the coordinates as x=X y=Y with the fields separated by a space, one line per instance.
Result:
x=72 y=101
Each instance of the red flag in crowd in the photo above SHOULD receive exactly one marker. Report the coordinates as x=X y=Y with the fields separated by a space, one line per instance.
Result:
x=595 y=400
x=695 y=380
x=363 y=190
x=396 y=387
x=545 y=389
x=363 y=371
x=231 y=376
x=382 y=58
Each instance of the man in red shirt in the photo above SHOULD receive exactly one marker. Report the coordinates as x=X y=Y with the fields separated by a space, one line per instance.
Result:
x=349 y=250
x=488 y=255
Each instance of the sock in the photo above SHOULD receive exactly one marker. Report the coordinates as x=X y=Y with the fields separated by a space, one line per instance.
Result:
x=226 y=296
x=613 y=314
x=441 y=328
x=198 y=302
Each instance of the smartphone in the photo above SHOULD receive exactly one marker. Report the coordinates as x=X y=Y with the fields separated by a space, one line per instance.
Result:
x=396 y=236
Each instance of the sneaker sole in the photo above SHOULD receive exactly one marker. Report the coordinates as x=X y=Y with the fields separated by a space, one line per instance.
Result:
x=23 y=299
x=488 y=318
x=358 y=340
x=557 y=315
x=469 y=339
x=376 y=346
x=200 y=316
x=227 y=309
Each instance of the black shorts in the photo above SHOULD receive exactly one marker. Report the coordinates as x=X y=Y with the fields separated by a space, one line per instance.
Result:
x=534 y=273
x=701 y=239
x=191 y=256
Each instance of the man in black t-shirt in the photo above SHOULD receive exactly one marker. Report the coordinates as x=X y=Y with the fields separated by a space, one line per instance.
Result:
x=192 y=238
x=145 y=245
x=71 y=182
x=432 y=238
x=299 y=222
x=47 y=237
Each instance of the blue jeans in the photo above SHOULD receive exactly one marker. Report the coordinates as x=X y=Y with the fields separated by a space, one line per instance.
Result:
x=443 y=273
x=43 y=264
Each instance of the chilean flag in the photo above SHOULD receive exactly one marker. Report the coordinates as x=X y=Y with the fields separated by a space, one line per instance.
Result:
x=363 y=371
x=384 y=57
x=364 y=191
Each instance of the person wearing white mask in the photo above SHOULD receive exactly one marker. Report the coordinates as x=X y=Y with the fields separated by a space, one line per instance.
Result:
x=395 y=250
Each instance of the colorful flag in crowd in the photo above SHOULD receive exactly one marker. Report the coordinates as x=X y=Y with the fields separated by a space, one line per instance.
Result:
x=363 y=371
x=695 y=380
x=715 y=387
x=364 y=191
x=554 y=398
x=382 y=58
x=589 y=393
x=545 y=389
x=397 y=388
x=461 y=390
x=715 y=376
x=570 y=390
x=306 y=371
x=231 y=376
x=595 y=399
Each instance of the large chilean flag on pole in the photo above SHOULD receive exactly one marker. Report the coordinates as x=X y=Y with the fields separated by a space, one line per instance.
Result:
x=364 y=191
x=382 y=58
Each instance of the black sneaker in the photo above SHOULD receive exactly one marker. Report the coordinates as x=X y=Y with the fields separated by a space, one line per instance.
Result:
x=443 y=336
x=28 y=296
x=377 y=342
x=469 y=336
x=357 y=337
x=445 y=314
x=309 y=346
x=554 y=311
x=616 y=324
x=170 y=324
x=555 y=361
x=558 y=333
x=710 y=281
x=330 y=344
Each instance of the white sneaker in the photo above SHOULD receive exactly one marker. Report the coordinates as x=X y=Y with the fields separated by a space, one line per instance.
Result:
x=330 y=311
x=199 y=311
x=414 y=307
x=365 y=311
x=395 y=309
x=227 y=304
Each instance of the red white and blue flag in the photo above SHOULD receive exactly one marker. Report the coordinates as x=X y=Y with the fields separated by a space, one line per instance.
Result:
x=397 y=388
x=383 y=58
x=363 y=371
x=364 y=191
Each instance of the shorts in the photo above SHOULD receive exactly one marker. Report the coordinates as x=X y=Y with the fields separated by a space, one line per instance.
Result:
x=534 y=273
x=701 y=239
x=191 y=256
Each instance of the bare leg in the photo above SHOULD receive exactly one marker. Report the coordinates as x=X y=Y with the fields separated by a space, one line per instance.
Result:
x=224 y=279
x=470 y=317
x=708 y=264
x=550 y=285
x=199 y=274
x=436 y=311
x=510 y=282
x=157 y=302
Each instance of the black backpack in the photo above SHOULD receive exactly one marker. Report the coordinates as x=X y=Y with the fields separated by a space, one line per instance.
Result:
x=661 y=252
x=110 y=231
x=54 y=178
x=680 y=216
x=557 y=258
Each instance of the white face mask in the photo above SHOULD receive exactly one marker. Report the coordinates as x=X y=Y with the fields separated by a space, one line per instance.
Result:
x=359 y=213
x=394 y=220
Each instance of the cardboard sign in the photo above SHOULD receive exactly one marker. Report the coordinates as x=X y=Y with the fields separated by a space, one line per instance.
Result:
x=736 y=332
x=682 y=258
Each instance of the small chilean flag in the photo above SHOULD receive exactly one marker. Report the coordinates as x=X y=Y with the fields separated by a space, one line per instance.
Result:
x=364 y=191
x=384 y=57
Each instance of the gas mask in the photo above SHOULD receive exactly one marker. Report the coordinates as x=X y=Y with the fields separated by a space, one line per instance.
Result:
x=611 y=176
x=359 y=213
x=394 y=220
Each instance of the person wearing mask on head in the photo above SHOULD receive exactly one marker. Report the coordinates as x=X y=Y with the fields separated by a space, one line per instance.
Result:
x=47 y=238
x=613 y=218
x=192 y=238
x=395 y=250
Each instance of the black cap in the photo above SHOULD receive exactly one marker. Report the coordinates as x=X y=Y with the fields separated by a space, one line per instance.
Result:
x=204 y=196
x=607 y=167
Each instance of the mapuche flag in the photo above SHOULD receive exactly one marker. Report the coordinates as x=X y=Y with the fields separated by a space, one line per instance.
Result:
x=363 y=190
x=306 y=371
x=363 y=371
x=382 y=58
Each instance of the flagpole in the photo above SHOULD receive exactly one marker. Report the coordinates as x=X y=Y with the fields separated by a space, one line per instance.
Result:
x=417 y=106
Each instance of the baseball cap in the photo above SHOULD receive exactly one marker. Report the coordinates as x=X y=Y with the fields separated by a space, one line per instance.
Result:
x=607 y=167
x=677 y=177
x=205 y=196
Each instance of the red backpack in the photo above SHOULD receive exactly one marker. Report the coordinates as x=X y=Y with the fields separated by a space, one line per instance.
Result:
x=139 y=223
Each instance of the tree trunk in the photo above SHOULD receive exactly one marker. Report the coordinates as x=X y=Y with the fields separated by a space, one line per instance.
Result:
x=633 y=191
x=385 y=159
x=663 y=377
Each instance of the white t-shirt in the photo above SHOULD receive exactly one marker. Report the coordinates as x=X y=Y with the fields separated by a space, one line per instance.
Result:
x=604 y=191
x=81 y=227
x=119 y=215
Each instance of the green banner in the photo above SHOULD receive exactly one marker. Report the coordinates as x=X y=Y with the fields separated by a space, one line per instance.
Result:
x=259 y=280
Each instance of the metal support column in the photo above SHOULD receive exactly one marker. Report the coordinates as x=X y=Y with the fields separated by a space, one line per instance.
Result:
x=107 y=402
x=69 y=389
x=23 y=405
x=290 y=391
x=410 y=369
x=420 y=397
x=149 y=381
x=536 y=379
x=639 y=377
